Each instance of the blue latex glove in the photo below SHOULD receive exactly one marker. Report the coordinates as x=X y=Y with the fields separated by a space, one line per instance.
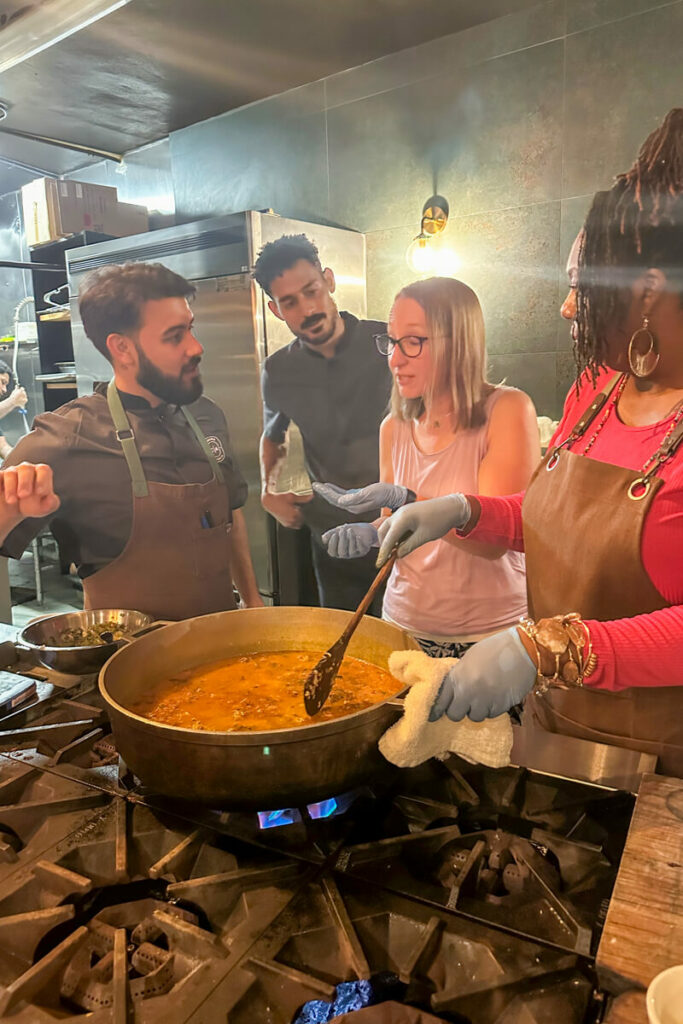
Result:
x=351 y=540
x=364 y=499
x=422 y=521
x=490 y=678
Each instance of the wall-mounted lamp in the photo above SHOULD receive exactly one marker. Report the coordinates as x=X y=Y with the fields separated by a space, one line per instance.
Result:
x=427 y=254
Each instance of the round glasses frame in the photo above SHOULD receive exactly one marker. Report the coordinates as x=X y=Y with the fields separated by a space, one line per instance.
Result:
x=410 y=345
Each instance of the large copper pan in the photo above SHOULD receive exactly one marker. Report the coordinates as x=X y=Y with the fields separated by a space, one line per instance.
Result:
x=248 y=770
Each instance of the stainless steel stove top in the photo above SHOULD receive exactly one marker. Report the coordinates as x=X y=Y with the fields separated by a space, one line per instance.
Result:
x=459 y=894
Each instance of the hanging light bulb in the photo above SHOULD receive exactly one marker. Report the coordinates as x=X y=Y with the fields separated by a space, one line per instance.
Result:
x=426 y=254
x=419 y=255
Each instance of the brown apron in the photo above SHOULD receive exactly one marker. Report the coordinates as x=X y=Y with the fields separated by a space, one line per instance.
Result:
x=582 y=537
x=176 y=563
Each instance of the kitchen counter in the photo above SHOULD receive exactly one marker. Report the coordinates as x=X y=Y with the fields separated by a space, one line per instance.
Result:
x=8 y=633
x=643 y=932
x=628 y=1008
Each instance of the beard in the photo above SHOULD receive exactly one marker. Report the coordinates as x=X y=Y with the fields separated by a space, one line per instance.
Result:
x=182 y=390
x=318 y=338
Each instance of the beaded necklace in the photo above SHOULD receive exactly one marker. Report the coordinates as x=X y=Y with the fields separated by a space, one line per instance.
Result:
x=612 y=405
x=605 y=416
x=674 y=423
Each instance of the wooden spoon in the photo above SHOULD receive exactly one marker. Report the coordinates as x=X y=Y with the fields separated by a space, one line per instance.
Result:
x=320 y=679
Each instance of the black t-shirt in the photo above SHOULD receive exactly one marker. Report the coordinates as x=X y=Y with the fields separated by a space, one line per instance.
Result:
x=338 y=405
x=91 y=476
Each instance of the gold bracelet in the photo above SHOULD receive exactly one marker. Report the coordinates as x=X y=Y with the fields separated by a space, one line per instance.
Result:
x=564 y=643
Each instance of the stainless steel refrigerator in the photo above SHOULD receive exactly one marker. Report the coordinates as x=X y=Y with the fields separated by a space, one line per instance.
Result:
x=238 y=332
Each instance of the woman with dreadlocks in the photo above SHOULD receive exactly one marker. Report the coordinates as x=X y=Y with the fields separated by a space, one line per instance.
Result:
x=601 y=521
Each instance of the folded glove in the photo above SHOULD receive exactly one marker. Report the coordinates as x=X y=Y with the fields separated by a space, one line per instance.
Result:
x=422 y=521
x=490 y=678
x=351 y=540
x=364 y=499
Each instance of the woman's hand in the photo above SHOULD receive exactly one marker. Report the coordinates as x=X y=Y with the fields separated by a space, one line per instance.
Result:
x=423 y=521
x=351 y=540
x=364 y=499
x=18 y=398
x=489 y=679
x=26 y=492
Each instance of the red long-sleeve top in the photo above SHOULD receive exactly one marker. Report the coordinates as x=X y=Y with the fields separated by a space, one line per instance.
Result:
x=646 y=650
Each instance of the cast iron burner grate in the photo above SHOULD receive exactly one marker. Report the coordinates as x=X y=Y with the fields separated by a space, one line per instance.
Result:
x=442 y=965
x=518 y=851
x=156 y=945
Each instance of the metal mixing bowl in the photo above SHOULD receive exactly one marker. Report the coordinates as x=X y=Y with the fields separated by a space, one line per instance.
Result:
x=39 y=636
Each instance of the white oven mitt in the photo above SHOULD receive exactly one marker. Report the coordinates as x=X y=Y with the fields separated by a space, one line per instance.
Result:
x=414 y=739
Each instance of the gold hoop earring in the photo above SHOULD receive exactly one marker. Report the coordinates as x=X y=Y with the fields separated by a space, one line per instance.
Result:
x=643 y=364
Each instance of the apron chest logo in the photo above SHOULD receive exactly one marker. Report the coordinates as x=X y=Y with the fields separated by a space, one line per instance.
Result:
x=216 y=446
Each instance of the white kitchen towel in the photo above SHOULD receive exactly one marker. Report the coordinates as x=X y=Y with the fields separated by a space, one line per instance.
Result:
x=414 y=739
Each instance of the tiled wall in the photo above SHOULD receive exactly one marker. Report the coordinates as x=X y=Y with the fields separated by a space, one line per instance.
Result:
x=516 y=122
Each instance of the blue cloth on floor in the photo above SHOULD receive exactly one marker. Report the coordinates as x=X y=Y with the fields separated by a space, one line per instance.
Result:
x=350 y=995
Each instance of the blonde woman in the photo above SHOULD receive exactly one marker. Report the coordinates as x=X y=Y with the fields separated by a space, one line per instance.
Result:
x=449 y=429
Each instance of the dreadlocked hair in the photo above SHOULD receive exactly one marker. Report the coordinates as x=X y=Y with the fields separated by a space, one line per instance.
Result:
x=637 y=224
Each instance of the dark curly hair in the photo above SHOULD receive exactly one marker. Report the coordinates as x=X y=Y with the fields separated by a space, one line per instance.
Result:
x=278 y=256
x=637 y=224
x=111 y=298
x=11 y=383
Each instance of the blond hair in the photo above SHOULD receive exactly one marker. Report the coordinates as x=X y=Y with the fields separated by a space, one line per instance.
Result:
x=455 y=324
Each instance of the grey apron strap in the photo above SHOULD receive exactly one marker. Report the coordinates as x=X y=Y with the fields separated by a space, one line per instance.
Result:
x=204 y=444
x=126 y=438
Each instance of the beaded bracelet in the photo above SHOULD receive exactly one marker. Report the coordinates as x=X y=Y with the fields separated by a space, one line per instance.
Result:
x=564 y=651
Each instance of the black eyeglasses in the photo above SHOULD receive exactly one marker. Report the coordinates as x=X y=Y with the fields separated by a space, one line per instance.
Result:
x=410 y=346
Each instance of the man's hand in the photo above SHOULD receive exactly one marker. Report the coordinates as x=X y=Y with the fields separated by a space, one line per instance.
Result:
x=285 y=507
x=26 y=492
x=364 y=499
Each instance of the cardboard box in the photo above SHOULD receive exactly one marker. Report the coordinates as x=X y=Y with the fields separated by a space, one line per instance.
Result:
x=55 y=209
x=126 y=219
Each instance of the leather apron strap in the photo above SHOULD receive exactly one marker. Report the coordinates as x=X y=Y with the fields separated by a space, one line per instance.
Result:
x=582 y=425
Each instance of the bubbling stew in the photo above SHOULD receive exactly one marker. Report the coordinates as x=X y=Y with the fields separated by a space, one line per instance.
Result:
x=261 y=692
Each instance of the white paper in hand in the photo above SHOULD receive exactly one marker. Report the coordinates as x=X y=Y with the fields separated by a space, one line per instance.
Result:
x=414 y=739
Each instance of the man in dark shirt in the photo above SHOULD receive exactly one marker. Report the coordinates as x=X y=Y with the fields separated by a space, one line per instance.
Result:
x=148 y=488
x=332 y=382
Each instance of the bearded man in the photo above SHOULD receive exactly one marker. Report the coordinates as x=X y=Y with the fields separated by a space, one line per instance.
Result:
x=334 y=384
x=147 y=492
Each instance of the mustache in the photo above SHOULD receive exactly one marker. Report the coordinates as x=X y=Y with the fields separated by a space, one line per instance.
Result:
x=192 y=363
x=311 y=321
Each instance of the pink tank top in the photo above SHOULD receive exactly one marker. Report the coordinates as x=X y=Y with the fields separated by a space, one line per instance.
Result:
x=442 y=591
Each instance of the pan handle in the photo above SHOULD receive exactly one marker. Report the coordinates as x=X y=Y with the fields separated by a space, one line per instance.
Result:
x=144 y=630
